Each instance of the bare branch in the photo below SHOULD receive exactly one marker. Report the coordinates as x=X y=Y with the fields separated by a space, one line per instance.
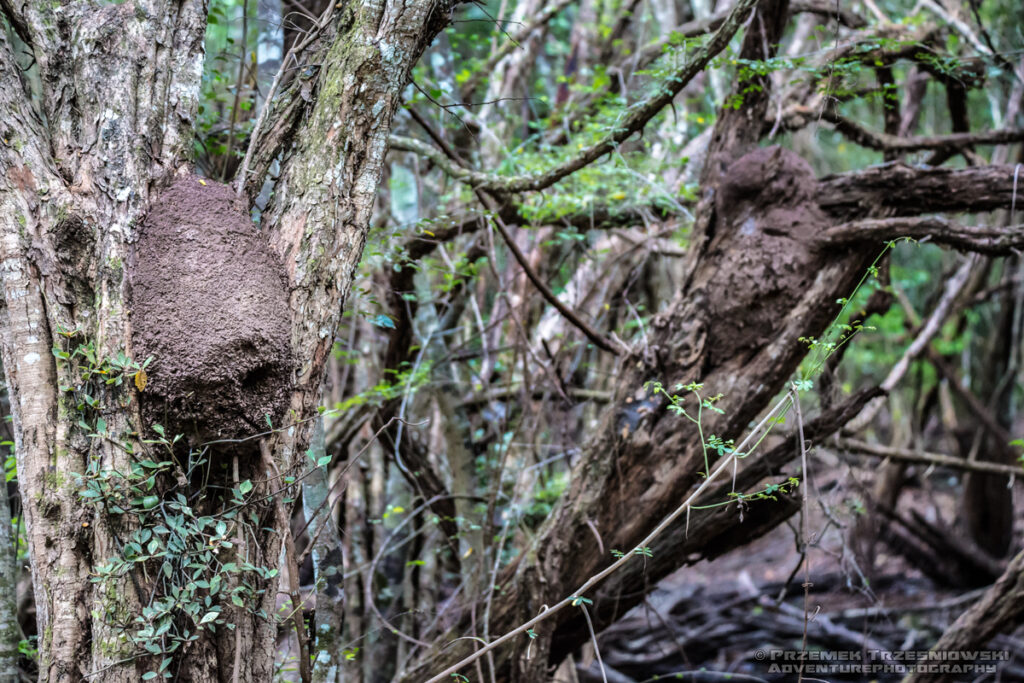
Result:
x=898 y=189
x=829 y=10
x=975 y=238
x=1000 y=610
x=923 y=457
x=288 y=111
x=894 y=143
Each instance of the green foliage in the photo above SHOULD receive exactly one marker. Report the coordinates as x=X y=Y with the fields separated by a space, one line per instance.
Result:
x=408 y=378
x=28 y=648
x=544 y=498
x=676 y=406
x=844 y=327
x=184 y=557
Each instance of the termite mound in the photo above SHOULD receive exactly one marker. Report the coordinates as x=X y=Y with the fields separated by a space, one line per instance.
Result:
x=209 y=303
x=763 y=256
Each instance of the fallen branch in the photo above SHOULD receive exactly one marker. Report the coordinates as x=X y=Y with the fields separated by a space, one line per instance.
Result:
x=926 y=458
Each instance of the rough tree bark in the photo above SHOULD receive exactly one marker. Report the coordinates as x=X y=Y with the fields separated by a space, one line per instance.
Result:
x=762 y=276
x=98 y=104
x=999 y=610
x=97 y=108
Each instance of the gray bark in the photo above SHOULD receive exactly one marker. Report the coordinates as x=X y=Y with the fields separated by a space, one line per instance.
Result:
x=101 y=121
x=10 y=631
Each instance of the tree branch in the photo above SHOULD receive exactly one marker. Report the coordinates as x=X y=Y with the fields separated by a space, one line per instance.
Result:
x=698 y=27
x=940 y=459
x=897 y=189
x=491 y=205
x=1000 y=610
x=894 y=143
x=977 y=238
x=637 y=117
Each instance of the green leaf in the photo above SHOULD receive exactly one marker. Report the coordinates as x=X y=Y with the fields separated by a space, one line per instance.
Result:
x=245 y=486
x=382 y=320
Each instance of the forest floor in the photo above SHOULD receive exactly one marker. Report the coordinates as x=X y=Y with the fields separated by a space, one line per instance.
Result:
x=744 y=613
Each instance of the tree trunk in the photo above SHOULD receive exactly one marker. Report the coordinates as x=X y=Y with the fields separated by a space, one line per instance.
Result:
x=10 y=630
x=93 y=130
x=762 y=280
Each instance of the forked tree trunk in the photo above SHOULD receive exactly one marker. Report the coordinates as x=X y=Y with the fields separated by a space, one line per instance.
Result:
x=98 y=104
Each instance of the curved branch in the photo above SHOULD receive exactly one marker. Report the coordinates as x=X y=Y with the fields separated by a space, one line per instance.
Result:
x=698 y=27
x=894 y=143
x=634 y=121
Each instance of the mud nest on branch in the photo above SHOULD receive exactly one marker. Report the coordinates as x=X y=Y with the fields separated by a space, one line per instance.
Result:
x=209 y=303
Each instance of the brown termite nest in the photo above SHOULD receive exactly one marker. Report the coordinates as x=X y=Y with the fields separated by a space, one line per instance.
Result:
x=763 y=253
x=209 y=303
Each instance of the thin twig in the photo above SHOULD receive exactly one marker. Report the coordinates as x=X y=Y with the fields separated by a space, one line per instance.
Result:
x=238 y=631
x=298 y=623
x=804 y=541
x=593 y=639
x=238 y=89
x=626 y=557
x=491 y=205
x=925 y=458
